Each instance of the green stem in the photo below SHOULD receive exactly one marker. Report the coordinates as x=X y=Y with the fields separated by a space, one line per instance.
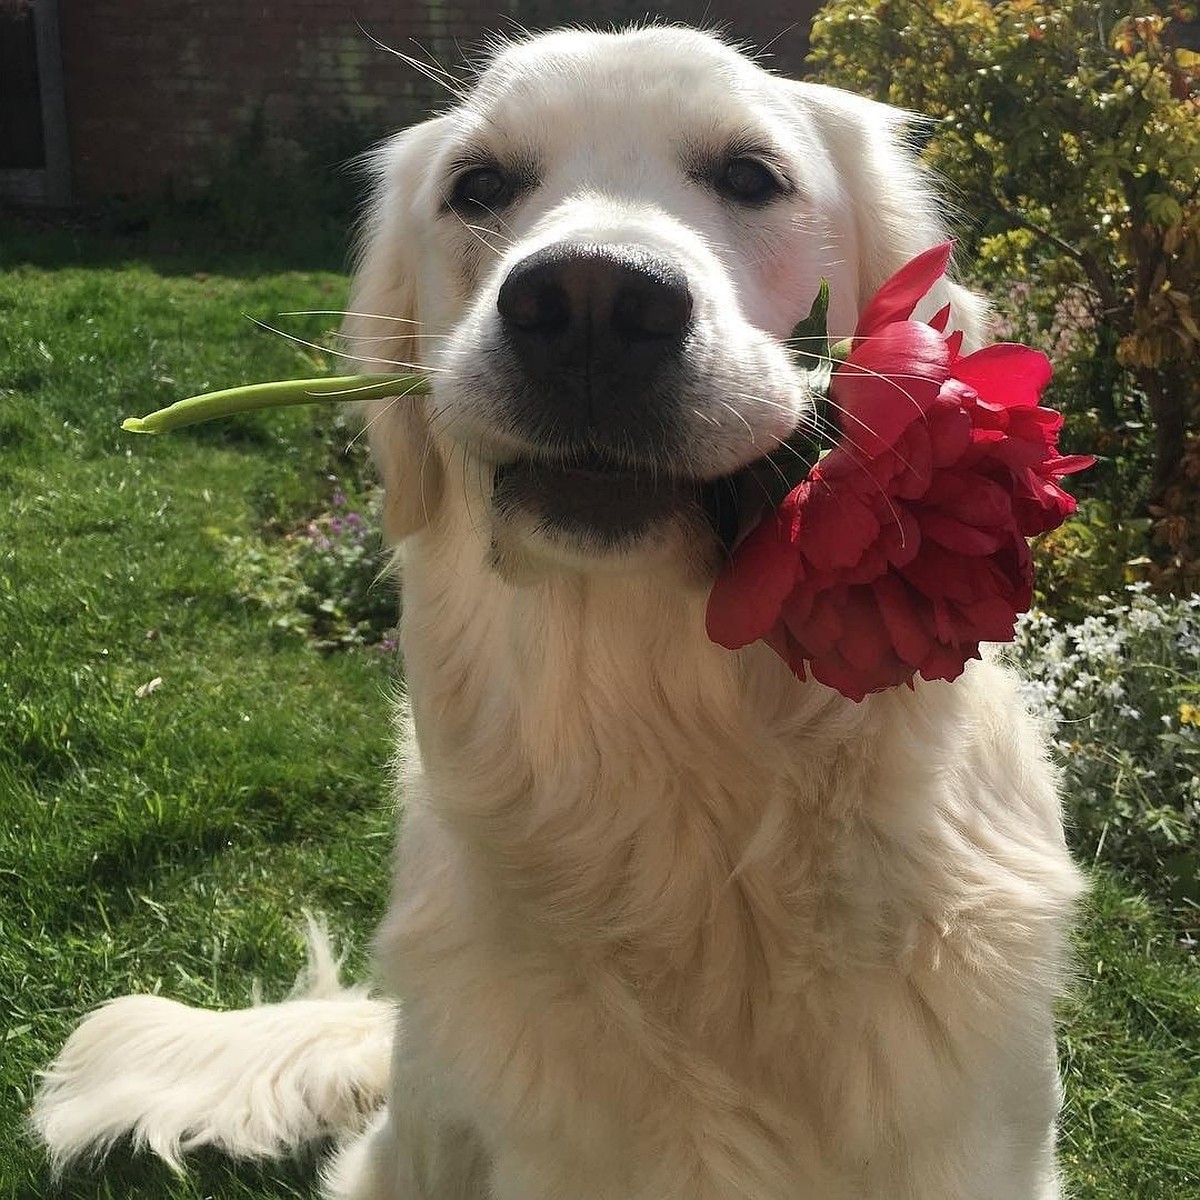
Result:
x=279 y=394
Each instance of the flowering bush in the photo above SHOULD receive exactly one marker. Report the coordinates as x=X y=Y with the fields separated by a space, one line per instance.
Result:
x=1070 y=129
x=1064 y=326
x=324 y=580
x=1096 y=553
x=1120 y=693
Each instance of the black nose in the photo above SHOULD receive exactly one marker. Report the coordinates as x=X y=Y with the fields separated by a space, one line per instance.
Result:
x=611 y=312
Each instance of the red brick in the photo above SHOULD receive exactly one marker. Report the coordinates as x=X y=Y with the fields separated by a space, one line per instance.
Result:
x=154 y=88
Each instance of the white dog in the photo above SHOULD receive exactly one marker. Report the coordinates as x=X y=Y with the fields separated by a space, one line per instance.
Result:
x=667 y=923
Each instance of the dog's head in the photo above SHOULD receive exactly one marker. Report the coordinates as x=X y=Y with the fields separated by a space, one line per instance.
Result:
x=599 y=255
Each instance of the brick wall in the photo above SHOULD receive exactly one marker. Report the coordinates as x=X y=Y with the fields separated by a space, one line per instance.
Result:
x=157 y=91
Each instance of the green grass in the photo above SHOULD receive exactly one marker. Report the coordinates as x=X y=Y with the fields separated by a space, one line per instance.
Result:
x=1129 y=1043
x=169 y=841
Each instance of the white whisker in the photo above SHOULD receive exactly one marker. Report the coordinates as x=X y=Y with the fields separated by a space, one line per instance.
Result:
x=345 y=312
x=390 y=362
x=435 y=73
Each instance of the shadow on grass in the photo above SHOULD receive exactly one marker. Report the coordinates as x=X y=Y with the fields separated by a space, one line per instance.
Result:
x=178 y=241
x=206 y=1174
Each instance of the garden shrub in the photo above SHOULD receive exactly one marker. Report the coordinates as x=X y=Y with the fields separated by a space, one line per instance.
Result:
x=1120 y=694
x=1070 y=134
x=324 y=580
x=1094 y=554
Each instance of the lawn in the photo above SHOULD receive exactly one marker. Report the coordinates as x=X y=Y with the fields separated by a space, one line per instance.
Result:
x=167 y=837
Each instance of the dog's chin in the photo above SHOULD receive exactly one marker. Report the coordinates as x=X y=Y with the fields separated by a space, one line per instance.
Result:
x=596 y=516
x=598 y=506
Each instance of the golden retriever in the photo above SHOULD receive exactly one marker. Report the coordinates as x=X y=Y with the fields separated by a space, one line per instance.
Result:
x=667 y=923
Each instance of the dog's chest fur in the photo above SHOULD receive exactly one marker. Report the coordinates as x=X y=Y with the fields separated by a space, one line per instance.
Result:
x=675 y=890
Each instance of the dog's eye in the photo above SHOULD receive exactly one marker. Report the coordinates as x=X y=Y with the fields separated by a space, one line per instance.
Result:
x=485 y=187
x=748 y=181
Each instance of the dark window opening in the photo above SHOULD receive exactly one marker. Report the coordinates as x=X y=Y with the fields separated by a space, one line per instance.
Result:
x=22 y=144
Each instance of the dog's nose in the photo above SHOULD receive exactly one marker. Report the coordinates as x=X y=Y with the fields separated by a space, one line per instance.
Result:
x=612 y=311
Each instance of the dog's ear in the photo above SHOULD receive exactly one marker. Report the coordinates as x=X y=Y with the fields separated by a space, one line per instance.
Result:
x=892 y=200
x=384 y=318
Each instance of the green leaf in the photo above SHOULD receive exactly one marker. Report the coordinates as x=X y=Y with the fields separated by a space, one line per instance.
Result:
x=810 y=342
x=1163 y=210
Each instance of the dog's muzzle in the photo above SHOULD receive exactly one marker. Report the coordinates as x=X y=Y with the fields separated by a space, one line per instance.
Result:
x=603 y=372
x=597 y=332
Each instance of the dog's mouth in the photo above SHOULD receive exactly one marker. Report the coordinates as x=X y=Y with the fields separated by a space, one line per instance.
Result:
x=606 y=505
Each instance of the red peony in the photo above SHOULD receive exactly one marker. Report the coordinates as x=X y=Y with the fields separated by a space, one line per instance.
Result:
x=905 y=546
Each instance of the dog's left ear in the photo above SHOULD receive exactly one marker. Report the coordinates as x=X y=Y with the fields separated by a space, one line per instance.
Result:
x=893 y=200
x=382 y=323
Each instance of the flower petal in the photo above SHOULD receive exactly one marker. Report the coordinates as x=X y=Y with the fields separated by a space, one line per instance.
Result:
x=838 y=528
x=1006 y=373
x=748 y=594
x=914 y=459
x=866 y=642
x=782 y=642
x=990 y=620
x=898 y=604
x=938 y=573
x=900 y=538
x=971 y=498
x=887 y=383
x=946 y=662
x=1042 y=506
x=899 y=295
x=958 y=537
x=823 y=627
x=834 y=672
x=1068 y=464
x=949 y=431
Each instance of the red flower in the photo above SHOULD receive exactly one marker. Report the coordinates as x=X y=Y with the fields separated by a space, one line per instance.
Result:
x=905 y=548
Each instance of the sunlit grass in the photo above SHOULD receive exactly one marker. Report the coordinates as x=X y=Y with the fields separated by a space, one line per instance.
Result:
x=161 y=836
